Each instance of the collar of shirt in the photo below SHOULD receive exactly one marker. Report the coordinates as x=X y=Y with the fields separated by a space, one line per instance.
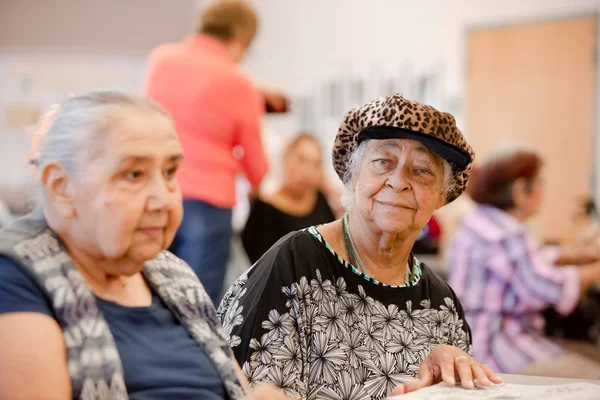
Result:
x=209 y=44
x=492 y=223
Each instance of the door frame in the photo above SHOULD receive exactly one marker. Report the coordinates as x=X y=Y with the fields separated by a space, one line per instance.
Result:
x=511 y=22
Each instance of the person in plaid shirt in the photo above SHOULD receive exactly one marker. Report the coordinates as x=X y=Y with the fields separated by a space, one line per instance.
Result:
x=504 y=279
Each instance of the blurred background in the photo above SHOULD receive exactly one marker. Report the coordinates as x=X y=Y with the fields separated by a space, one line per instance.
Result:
x=516 y=70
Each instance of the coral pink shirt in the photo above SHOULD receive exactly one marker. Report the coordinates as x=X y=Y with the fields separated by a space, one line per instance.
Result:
x=216 y=108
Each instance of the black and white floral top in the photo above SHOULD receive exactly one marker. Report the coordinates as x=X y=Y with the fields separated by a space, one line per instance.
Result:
x=306 y=321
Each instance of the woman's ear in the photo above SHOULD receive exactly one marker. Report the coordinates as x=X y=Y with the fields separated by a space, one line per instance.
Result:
x=58 y=189
x=519 y=192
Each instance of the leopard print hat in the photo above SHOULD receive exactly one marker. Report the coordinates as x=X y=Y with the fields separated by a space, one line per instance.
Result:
x=396 y=117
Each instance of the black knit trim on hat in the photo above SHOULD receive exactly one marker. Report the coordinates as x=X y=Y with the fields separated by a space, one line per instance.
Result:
x=454 y=155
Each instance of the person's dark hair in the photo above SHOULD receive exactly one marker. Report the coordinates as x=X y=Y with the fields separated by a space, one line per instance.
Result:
x=492 y=182
x=226 y=19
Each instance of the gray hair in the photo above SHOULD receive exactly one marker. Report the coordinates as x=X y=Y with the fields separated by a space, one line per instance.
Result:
x=354 y=164
x=81 y=118
x=89 y=115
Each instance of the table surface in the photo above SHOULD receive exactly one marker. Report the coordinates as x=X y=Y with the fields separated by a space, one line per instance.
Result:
x=541 y=380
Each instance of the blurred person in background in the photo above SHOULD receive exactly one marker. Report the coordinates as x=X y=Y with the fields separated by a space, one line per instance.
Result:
x=91 y=304
x=588 y=222
x=505 y=279
x=428 y=241
x=298 y=204
x=216 y=108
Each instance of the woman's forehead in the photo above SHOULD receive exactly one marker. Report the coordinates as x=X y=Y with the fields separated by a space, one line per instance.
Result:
x=307 y=146
x=399 y=145
x=142 y=137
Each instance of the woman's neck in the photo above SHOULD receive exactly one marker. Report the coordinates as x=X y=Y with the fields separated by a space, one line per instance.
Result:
x=103 y=276
x=129 y=289
x=518 y=214
x=384 y=255
x=294 y=202
x=292 y=194
x=94 y=270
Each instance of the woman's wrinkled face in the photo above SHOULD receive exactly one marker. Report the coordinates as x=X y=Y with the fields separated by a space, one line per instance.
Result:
x=126 y=197
x=303 y=166
x=399 y=186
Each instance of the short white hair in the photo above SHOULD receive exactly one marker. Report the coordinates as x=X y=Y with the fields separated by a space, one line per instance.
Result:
x=355 y=163
x=90 y=115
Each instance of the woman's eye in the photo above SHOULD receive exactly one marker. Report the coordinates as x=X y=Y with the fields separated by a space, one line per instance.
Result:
x=383 y=161
x=169 y=173
x=134 y=175
x=423 y=171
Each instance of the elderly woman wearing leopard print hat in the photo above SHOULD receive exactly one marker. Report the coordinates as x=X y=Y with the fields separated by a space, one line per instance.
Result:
x=345 y=310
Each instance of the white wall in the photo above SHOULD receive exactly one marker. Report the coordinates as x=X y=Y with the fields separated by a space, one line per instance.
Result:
x=305 y=40
x=50 y=48
x=301 y=40
x=112 y=25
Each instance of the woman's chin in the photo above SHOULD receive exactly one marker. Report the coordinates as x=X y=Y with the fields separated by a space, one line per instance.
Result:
x=145 y=252
x=404 y=227
x=395 y=227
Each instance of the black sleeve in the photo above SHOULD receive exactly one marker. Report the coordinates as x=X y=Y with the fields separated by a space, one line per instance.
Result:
x=460 y=335
x=262 y=311
x=463 y=341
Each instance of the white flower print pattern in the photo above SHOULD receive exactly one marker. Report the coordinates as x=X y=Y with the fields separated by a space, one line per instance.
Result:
x=347 y=390
x=333 y=344
x=278 y=326
x=387 y=319
x=355 y=351
x=330 y=320
x=385 y=375
x=325 y=359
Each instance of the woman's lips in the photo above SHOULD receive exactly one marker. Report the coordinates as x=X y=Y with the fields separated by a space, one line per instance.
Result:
x=152 y=232
x=395 y=204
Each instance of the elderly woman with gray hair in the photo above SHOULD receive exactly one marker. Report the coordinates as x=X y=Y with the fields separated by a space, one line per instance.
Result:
x=91 y=304
x=344 y=310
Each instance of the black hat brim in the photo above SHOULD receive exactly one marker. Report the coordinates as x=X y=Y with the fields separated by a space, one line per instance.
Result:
x=454 y=155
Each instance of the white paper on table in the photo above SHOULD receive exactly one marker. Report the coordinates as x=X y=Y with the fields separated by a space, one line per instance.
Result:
x=506 y=391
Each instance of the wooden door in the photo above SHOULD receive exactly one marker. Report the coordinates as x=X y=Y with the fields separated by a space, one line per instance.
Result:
x=535 y=84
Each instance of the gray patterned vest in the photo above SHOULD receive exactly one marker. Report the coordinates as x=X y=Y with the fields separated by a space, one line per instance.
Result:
x=92 y=356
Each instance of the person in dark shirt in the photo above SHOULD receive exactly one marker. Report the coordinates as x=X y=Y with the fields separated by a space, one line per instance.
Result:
x=298 y=204
x=345 y=310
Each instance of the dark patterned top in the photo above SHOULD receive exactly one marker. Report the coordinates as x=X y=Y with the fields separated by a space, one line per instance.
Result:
x=307 y=322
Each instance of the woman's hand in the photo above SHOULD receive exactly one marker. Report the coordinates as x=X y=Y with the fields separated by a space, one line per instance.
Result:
x=275 y=100
x=578 y=255
x=266 y=392
x=447 y=363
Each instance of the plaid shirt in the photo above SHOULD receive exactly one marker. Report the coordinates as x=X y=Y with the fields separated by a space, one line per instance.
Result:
x=504 y=280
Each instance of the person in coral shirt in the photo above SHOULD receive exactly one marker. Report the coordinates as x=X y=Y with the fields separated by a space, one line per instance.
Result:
x=217 y=111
